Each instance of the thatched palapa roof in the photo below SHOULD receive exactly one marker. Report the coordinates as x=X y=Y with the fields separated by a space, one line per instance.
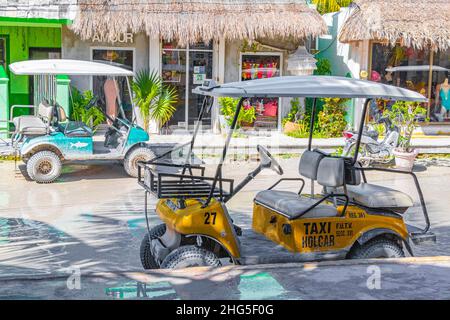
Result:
x=416 y=23
x=190 y=21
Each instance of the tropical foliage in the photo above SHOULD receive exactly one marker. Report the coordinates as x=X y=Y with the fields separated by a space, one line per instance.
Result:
x=228 y=109
x=326 y=6
x=406 y=115
x=155 y=100
x=331 y=119
x=92 y=116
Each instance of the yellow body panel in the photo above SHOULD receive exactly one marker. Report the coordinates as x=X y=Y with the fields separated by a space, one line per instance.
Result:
x=322 y=234
x=212 y=221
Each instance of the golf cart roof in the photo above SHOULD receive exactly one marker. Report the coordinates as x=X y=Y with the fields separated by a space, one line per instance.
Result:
x=308 y=86
x=67 y=67
x=416 y=68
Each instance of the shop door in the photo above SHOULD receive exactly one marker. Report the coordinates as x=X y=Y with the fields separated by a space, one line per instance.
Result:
x=185 y=68
x=41 y=54
x=123 y=58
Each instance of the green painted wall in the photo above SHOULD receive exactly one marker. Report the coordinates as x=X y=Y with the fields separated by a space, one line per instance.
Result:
x=21 y=39
x=4 y=103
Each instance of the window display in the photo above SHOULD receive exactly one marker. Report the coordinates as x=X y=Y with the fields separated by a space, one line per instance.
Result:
x=261 y=66
x=412 y=74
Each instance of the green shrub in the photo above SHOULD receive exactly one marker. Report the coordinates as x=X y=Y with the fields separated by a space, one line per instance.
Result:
x=228 y=109
x=92 y=116
x=331 y=119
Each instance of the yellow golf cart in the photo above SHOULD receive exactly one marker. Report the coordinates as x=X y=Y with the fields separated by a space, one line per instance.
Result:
x=351 y=218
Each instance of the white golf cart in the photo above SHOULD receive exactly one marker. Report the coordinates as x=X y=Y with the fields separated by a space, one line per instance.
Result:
x=47 y=138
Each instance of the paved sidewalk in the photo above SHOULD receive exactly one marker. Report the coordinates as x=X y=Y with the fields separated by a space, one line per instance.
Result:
x=210 y=144
x=404 y=279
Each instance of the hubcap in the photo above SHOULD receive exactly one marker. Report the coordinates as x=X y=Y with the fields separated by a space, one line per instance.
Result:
x=137 y=159
x=45 y=167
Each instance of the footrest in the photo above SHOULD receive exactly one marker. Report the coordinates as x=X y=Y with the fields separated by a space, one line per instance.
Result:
x=419 y=237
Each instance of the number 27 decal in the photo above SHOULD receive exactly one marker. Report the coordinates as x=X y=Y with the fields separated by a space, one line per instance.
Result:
x=208 y=216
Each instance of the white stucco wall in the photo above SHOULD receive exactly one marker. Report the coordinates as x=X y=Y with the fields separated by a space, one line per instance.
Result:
x=74 y=48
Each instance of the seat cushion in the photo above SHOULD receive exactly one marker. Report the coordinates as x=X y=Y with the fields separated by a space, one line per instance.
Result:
x=291 y=204
x=30 y=125
x=374 y=196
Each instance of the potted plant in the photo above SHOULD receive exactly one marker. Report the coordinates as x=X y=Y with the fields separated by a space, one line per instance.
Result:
x=405 y=116
x=154 y=99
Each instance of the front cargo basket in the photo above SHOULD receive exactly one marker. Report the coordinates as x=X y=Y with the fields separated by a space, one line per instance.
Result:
x=183 y=185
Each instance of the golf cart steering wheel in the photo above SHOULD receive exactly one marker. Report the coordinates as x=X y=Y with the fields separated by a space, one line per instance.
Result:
x=268 y=161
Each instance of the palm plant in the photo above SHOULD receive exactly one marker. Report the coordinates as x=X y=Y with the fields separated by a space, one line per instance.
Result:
x=155 y=100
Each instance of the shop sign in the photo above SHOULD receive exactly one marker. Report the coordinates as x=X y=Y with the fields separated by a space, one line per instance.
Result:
x=126 y=37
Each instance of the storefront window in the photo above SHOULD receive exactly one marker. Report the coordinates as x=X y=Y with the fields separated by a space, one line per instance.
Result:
x=123 y=58
x=384 y=57
x=185 y=68
x=261 y=66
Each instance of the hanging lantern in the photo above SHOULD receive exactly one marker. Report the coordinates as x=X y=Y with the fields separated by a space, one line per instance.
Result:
x=301 y=62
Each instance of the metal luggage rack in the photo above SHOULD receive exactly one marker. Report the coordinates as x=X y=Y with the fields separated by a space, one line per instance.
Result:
x=184 y=185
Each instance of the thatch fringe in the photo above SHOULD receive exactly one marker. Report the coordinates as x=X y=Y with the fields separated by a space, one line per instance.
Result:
x=415 y=23
x=191 y=21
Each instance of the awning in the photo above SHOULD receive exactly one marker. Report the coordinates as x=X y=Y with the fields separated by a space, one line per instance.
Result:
x=67 y=67
x=415 y=23
x=192 y=21
x=311 y=87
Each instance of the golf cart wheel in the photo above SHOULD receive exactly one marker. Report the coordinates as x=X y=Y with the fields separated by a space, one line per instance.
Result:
x=380 y=247
x=190 y=256
x=44 y=167
x=147 y=260
x=130 y=163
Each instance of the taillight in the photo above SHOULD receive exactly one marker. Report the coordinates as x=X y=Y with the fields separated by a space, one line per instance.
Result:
x=348 y=135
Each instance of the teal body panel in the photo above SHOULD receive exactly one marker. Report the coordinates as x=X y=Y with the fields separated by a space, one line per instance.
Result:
x=69 y=146
x=79 y=147
x=136 y=135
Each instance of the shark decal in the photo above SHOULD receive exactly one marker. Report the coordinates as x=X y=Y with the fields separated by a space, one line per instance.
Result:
x=78 y=145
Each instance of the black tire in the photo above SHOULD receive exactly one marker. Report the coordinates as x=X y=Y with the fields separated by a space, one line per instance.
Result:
x=380 y=247
x=44 y=167
x=190 y=256
x=133 y=157
x=147 y=260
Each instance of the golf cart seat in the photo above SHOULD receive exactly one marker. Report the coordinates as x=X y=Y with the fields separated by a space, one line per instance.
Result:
x=374 y=196
x=72 y=128
x=35 y=125
x=290 y=204
x=329 y=172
